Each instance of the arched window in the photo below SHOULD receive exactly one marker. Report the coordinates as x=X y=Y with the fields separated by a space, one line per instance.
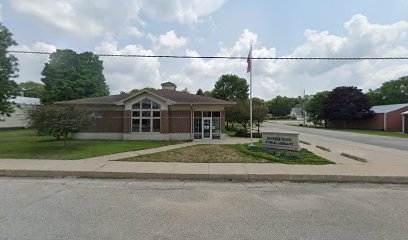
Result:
x=146 y=116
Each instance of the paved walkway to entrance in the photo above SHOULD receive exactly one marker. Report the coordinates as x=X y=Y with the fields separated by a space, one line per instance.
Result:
x=383 y=165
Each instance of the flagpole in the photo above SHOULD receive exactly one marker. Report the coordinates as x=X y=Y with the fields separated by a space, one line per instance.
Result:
x=250 y=95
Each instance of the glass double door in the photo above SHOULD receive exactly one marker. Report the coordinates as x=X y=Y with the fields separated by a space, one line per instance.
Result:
x=207 y=128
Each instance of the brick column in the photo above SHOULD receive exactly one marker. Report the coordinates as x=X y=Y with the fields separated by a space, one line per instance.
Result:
x=164 y=121
x=222 y=122
x=127 y=125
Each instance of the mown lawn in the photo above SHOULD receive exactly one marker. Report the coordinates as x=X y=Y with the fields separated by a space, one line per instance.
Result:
x=362 y=131
x=26 y=144
x=238 y=153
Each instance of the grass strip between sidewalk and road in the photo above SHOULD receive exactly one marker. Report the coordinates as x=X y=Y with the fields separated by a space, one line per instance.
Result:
x=26 y=144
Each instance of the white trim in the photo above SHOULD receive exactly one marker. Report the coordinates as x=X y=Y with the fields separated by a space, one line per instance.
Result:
x=202 y=127
x=122 y=102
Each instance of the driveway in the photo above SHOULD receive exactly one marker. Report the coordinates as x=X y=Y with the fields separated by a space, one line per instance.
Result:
x=388 y=142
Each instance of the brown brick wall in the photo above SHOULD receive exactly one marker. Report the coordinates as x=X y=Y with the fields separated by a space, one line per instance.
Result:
x=164 y=121
x=222 y=122
x=179 y=121
x=394 y=120
x=127 y=122
x=111 y=121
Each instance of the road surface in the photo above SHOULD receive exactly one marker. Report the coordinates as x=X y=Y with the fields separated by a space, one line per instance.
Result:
x=388 y=142
x=116 y=209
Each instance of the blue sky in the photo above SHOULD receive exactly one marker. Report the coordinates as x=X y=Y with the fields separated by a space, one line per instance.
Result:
x=218 y=27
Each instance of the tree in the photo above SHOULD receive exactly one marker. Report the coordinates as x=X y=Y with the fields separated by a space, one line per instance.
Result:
x=200 y=92
x=346 y=104
x=231 y=88
x=8 y=71
x=239 y=113
x=31 y=89
x=58 y=121
x=208 y=94
x=314 y=107
x=69 y=75
x=185 y=90
x=135 y=90
x=282 y=106
x=259 y=111
x=391 y=92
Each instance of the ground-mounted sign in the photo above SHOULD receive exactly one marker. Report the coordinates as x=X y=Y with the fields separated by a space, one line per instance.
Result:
x=280 y=140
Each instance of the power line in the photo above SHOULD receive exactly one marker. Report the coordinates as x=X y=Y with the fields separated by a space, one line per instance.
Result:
x=226 y=57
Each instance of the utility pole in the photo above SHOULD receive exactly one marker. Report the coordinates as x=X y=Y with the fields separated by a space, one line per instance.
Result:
x=303 y=107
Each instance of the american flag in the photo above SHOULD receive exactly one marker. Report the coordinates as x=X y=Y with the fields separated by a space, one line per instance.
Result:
x=249 y=67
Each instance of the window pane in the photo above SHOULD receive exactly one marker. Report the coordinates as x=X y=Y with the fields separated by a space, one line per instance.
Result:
x=206 y=114
x=156 y=125
x=156 y=114
x=216 y=114
x=146 y=104
x=197 y=128
x=135 y=125
x=216 y=128
x=146 y=114
x=136 y=106
x=197 y=114
x=145 y=125
x=155 y=105
x=136 y=114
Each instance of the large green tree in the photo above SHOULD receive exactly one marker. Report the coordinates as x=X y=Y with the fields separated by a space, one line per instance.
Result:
x=231 y=88
x=281 y=106
x=346 y=104
x=31 y=89
x=8 y=72
x=69 y=75
x=314 y=107
x=391 y=92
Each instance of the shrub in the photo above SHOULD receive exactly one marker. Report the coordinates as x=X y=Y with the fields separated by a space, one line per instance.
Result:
x=246 y=134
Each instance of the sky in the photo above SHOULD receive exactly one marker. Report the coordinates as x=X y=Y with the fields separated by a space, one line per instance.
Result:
x=275 y=28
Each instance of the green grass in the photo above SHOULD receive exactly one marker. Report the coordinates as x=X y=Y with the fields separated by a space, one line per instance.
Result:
x=26 y=144
x=362 y=131
x=199 y=154
x=238 y=153
x=303 y=157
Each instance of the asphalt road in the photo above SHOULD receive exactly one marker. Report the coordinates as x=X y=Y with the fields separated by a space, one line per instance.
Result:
x=389 y=142
x=116 y=209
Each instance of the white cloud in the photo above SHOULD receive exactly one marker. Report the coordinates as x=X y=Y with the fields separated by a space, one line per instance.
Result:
x=168 y=41
x=285 y=77
x=128 y=73
x=83 y=18
x=109 y=18
x=183 y=11
x=1 y=12
x=31 y=65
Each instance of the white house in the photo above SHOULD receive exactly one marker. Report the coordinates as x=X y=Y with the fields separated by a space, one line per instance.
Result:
x=17 y=118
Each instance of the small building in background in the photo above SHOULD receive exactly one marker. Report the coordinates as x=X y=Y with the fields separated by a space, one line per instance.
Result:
x=391 y=118
x=297 y=112
x=18 y=118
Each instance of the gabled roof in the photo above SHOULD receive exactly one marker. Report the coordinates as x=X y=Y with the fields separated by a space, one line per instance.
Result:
x=388 y=108
x=170 y=96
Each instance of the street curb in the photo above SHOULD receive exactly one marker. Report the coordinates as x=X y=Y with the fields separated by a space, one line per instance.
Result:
x=276 y=177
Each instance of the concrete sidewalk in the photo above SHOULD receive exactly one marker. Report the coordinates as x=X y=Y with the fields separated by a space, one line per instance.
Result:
x=371 y=173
